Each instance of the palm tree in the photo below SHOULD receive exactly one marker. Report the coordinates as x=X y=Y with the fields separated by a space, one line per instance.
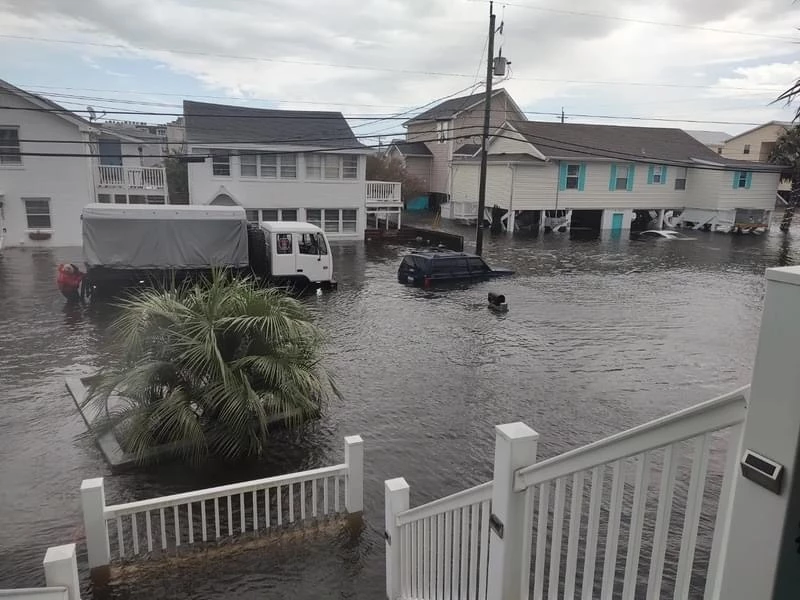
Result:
x=787 y=152
x=206 y=369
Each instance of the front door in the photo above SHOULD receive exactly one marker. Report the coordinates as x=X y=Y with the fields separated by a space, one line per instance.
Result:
x=312 y=258
x=283 y=252
x=616 y=223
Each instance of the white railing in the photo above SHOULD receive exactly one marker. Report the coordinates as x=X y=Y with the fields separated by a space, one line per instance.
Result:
x=164 y=524
x=60 y=577
x=460 y=210
x=616 y=513
x=383 y=192
x=554 y=536
x=444 y=546
x=138 y=178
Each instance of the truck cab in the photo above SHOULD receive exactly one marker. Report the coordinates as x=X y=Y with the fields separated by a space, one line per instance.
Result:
x=298 y=253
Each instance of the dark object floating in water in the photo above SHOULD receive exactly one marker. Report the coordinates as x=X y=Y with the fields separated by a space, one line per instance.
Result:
x=497 y=302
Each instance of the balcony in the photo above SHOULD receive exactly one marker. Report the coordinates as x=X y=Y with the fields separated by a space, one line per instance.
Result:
x=131 y=178
x=383 y=194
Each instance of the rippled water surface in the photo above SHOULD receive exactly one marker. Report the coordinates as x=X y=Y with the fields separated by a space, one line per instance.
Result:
x=600 y=336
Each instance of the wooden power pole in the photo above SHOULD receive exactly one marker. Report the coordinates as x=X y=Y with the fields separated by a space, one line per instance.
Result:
x=487 y=110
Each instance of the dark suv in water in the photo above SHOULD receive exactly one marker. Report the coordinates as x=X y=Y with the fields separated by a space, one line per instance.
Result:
x=430 y=268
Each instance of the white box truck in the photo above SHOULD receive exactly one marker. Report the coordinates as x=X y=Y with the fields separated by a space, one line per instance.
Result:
x=134 y=244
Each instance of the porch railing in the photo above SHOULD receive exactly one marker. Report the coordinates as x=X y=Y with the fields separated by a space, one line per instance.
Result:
x=166 y=523
x=383 y=192
x=557 y=525
x=140 y=178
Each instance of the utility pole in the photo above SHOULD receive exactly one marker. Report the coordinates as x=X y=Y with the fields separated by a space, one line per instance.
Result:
x=485 y=140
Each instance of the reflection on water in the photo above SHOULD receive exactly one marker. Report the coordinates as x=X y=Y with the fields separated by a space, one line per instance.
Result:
x=601 y=335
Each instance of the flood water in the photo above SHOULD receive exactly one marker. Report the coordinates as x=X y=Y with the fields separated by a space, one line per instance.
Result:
x=600 y=336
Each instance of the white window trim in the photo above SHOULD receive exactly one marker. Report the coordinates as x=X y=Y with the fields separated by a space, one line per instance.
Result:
x=341 y=178
x=658 y=174
x=340 y=221
x=279 y=212
x=278 y=167
x=576 y=177
x=21 y=163
x=442 y=131
x=29 y=229
x=231 y=170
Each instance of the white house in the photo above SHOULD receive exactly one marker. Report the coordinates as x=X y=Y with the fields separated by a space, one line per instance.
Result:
x=285 y=165
x=606 y=177
x=53 y=163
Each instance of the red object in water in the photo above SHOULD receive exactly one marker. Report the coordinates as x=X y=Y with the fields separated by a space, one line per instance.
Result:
x=427 y=281
x=69 y=281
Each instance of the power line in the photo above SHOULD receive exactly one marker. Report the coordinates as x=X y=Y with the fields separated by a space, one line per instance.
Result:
x=367 y=67
x=578 y=13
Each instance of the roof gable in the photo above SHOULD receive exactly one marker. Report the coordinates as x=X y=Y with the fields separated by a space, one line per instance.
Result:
x=44 y=103
x=208 y=123
x=449 y=109
x=411 y=148
x=754 y=129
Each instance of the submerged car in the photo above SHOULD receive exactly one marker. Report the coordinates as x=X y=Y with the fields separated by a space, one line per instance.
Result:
x=666 y=234
x=429 y=268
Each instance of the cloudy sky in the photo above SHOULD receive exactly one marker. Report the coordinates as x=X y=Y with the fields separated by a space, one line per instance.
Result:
x=716 y=62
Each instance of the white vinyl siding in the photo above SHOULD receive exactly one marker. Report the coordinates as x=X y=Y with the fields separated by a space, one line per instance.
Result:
x=760 y=194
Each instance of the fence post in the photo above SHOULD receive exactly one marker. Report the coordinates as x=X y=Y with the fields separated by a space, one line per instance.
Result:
x=93 y=501
x=758 y=545
x=514 y=448
x=396 y=494
x=61 y=570
x=354 y=459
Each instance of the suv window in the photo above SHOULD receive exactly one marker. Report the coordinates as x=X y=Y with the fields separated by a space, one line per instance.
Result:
x=408 y=262
x=449 y=265
x=476 y=265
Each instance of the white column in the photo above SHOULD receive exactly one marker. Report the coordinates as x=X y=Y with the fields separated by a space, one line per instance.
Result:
x=354 y=459
x=759 y=556
x=397 y=497
x=93 y=501
x=542 y=217
x=660 y=218
x=61 y=570
x=399 y=218
x=514 y=448
x=510 y=221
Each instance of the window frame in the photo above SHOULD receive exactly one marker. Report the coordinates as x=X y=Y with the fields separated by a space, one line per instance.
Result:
x=741 y=180
x=28 y=214
x=255 y=163
x=4 y=157
x=576 y=177
x=310 y=160
x=746 y=149
x=617 y=178
x=658 y=174
x=220 y=158
x=279 y=165
x=681 y=176
x=442 y=131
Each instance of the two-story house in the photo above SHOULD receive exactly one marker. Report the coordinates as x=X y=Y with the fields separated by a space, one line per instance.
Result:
x=604 y=177
x=755 y=144
x=54 y=162
x=435 y=137
x=285 y=165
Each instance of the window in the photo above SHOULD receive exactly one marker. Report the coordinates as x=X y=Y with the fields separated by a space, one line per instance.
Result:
x=332 y=164
x=312 y=243
x=442 y=130
x=289 y=214
x=331 y=224
x=680 y=179
x=248 y=164
x=719 y=150
x=288 y=164
x=104 y=198
x=220 y=163
x=37 y=212
x=270 y=214
x=134 y=199
x=747 y=148
x=350 y=167
x=9 y=146
x=269 y=165
x=284 y=245
x=621 y=178
x=314 y=216
x=155 y=200
x=741 y=180
x=349 y=219
x=120 y=199
x=658 y=174
x=279 y=165
x=313 y=166
x=476 y=265
x=573 y=176
x=252 y=215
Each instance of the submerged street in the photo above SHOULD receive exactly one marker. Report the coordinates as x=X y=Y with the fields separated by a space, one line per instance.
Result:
x=600 y=336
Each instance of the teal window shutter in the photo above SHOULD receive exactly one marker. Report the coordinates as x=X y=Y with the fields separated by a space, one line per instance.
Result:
x=631 y=175
x=663 y=174
x=582 y=177
x=612 y=183
x=736 y=180
x=650 y=170
x=562 y=176
x=749 y=180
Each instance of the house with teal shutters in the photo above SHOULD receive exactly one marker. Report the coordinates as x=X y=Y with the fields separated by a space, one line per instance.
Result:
x=560 y=176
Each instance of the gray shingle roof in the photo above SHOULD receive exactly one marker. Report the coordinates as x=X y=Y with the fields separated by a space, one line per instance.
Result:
x=217 y=123
x=645 y=144
x=412 y=148
x=450 y=108
x=468 y=149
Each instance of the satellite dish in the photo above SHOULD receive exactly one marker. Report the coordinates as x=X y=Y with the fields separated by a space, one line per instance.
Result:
x=92 y=113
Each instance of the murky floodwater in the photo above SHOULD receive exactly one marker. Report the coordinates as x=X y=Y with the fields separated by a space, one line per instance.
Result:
x=600 y=336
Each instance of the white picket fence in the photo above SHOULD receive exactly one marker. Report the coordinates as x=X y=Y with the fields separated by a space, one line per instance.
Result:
x=169 y=522
x=558 y=524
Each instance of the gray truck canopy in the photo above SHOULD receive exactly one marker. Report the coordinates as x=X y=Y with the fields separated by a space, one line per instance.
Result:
x=141 y=236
